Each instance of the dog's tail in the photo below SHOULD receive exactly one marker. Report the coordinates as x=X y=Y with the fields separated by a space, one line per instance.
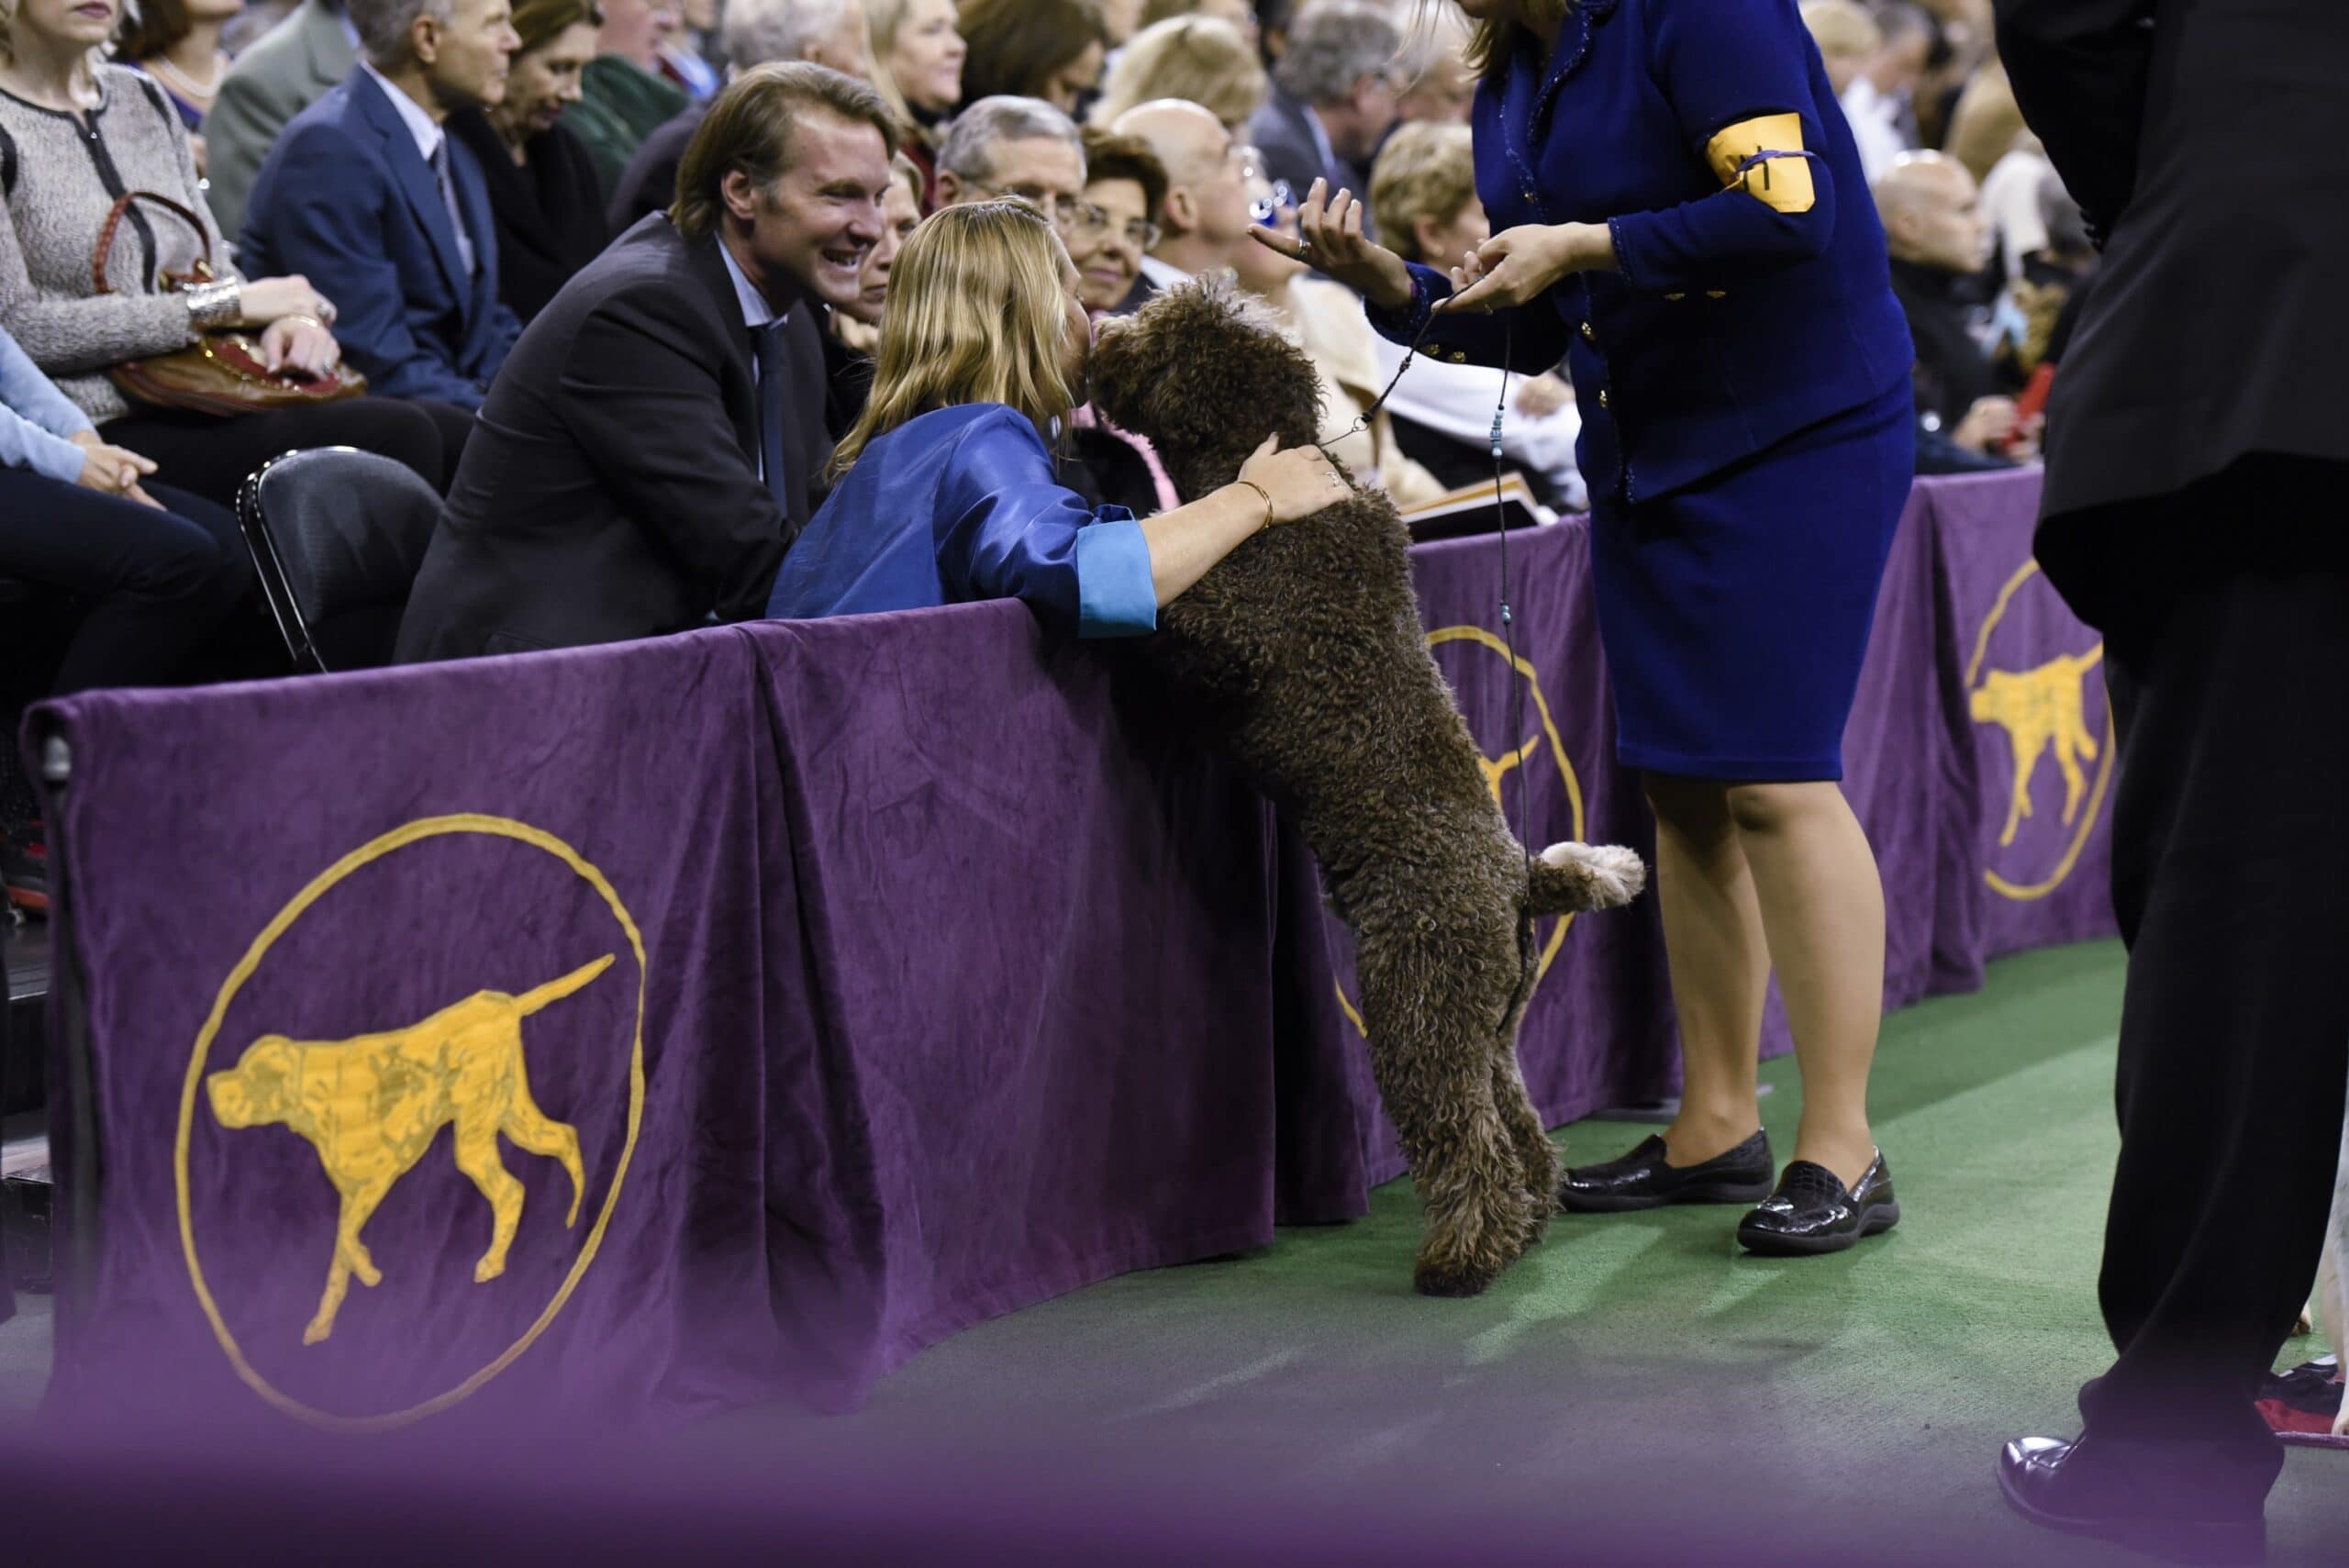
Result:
x=1569 y=878
x=556 y=990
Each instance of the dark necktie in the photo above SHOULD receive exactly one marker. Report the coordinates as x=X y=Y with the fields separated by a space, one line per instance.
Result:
x=775 y=395
x=456 y=213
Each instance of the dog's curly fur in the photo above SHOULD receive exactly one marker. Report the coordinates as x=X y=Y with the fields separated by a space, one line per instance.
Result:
x=1302 y=651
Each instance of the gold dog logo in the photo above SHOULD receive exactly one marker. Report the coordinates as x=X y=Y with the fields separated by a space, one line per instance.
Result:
x=371 y=1105
x=2043 y=712
x=1498 y=769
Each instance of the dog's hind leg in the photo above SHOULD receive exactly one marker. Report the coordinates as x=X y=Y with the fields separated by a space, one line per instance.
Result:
x=1432 y=1006
x=477 y=1158
x=532 y=1129
x=1536 y=1159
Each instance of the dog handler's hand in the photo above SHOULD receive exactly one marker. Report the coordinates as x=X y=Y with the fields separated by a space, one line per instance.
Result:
x=1330 y=241
x=1300 y=481
x=1519 y=265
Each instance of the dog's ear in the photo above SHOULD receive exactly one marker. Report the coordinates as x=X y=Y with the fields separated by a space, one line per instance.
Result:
x=1121 y=371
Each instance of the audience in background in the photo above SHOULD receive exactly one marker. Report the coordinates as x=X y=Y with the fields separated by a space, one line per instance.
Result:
x=1116 y=226
x=1326 y=320
x=64 y=183
x=1335 y=94
x=758 y=32
x=1877 y=100
x=1438 y=86
x=623 y=97
x=543 y=197
x=1195 y=58
x=1241 y=14
x=1204 y=221
x=1051 y=50
x=366 y=194
x=685 y=61
x=657 y=439
x=1423 y=193
x=177 y=42
x=1933 y=223
x=158 y=571
x=1013 y=146
x=1847 y=37
x=285 y=71
x=918 y=54
x=1983 y=122
x=2011 y=200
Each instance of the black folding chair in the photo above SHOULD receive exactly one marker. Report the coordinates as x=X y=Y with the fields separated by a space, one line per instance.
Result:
x=336 y=537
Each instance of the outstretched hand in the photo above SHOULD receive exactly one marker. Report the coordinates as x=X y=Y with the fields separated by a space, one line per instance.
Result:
x=1329 y=241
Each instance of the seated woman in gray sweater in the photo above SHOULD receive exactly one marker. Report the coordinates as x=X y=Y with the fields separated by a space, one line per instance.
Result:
x=159 y=570
x=74 y=137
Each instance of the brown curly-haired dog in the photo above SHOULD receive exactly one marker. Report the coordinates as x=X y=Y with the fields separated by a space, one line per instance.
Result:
x=1302 y=650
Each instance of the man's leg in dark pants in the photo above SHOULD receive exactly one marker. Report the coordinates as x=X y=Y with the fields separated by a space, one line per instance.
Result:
x=2230 y=876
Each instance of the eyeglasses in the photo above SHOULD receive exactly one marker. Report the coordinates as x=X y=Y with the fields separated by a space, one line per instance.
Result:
x=1085 y=221
x=1273 y=202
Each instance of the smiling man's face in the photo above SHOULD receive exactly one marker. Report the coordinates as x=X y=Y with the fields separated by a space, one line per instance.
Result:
x=811 y=230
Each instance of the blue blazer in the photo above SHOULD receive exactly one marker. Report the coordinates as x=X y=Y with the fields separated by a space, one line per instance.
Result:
x=345 y=200
x=1749 y=305
x=960 y=503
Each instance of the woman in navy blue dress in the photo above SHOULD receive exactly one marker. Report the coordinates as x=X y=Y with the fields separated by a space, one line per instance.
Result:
x=1680 y=214
x=949 y=494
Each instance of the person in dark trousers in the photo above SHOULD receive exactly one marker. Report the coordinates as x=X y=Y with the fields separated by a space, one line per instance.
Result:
x=2197 y=462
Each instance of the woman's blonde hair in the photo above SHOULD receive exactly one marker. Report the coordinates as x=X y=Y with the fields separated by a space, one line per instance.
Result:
x=1425 y=171
x=882 y=20
x=1202 y=59
x=977 y=314
x=1491 y=43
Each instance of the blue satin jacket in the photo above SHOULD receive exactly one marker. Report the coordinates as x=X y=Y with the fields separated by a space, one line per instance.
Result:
x=1754 y=296
x=958 y=505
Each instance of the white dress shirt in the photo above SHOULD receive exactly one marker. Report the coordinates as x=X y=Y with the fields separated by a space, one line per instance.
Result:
x=1874 y=120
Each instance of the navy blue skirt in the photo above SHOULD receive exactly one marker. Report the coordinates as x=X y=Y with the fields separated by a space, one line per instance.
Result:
x=1736 y=612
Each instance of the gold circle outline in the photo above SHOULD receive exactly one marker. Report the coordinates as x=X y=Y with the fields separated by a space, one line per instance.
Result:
x=373 y=850
x=2026 y=892
x=1484 y=639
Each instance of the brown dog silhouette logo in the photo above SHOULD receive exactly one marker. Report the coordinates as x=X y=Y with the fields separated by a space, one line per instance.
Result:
x=371 y=1105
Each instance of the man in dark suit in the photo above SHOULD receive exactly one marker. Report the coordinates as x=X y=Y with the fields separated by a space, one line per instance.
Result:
x=366 y=195
x=1335 y=94
x=2197 y=470
x=657 y=439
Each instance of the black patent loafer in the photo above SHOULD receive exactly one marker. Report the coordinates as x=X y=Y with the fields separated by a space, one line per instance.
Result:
x=1641 y=1179
x=2156 y=1518
x=1813 y=1211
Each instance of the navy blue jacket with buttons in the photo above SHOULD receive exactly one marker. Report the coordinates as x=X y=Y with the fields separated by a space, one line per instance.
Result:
x=1754 y=298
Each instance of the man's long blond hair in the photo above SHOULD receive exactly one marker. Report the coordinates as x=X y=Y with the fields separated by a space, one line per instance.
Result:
x=977 y=314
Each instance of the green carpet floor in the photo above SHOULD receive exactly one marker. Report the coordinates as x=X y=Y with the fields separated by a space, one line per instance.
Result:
x=1636 y=1366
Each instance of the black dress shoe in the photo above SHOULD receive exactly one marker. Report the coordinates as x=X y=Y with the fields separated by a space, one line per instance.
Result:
x=1813 y=1211
x=2166 y=1520
x=1642 y=1180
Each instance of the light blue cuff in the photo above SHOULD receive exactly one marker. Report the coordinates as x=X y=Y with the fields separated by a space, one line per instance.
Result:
x=1115 y=593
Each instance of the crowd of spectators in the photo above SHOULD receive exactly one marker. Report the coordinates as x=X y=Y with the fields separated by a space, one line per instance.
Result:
x=623 y=343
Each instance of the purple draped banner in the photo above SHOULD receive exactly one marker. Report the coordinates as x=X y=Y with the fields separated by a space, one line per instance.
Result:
x=624 y=1033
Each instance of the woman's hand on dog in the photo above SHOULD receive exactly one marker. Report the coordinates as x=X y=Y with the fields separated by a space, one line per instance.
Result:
x=1330 y=241
x=1300 y=481
x=1520 y=265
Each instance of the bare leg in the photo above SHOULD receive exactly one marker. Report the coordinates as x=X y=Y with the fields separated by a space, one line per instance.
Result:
x=1720 y=959
x=1822 y=905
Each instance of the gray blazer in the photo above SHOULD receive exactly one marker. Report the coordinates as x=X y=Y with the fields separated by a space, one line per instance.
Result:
x=288 y=68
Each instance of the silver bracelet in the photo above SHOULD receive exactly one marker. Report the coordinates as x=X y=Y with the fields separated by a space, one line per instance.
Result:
x=214 y=304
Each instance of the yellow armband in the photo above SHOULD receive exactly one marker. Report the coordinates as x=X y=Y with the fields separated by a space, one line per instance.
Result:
x=1782 y=185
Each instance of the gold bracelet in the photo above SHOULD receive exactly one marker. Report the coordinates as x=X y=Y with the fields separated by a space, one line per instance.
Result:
x=1268 y=500
x=311 y=319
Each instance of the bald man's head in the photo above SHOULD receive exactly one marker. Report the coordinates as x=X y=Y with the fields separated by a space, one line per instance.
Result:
x=1932 y=213
x=1206 y=215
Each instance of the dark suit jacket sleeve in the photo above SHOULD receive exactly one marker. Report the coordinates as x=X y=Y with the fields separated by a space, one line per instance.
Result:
x=1723 y=62
x=2080 y=71
x=641 y=394
x=325 y=212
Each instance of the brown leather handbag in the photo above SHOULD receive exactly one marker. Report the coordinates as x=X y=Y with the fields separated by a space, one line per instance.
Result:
x=222 y=373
